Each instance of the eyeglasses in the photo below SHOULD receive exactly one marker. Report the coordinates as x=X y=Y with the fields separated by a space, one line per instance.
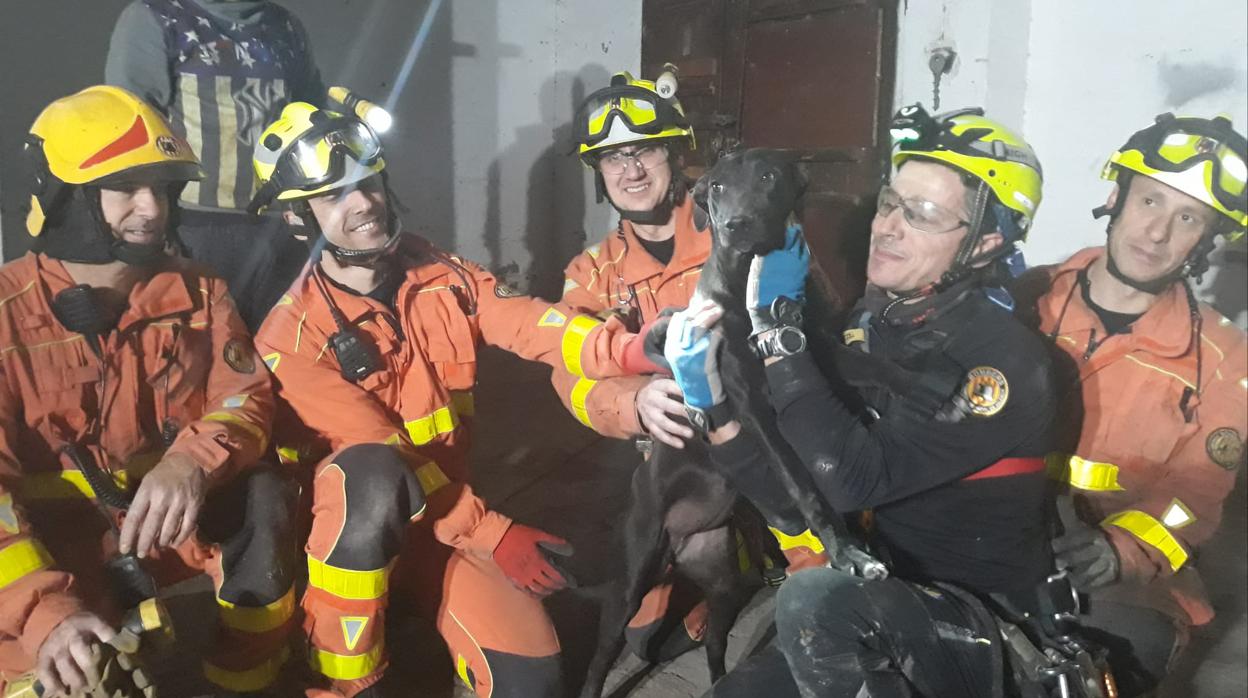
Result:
x=922 y=215
x=647 y=157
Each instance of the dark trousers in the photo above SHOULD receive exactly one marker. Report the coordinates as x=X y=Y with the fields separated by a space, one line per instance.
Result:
x=255 y=255
x=845 y=636
x=1142 y=643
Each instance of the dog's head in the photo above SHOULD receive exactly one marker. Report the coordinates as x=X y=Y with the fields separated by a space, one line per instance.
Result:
x=747 y=197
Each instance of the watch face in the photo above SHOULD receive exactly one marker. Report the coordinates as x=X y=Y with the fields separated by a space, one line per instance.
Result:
x=791 y=340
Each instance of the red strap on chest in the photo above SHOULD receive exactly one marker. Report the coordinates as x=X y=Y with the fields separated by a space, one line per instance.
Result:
x=1007 y=467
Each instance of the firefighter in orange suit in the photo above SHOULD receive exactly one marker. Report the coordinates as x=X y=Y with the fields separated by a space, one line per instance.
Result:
x=127 y=375
x=1155 y=396
x=375 y=355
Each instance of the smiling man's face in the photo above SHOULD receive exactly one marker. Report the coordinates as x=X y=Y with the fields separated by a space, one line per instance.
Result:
x=354 y=219
x=137 y=212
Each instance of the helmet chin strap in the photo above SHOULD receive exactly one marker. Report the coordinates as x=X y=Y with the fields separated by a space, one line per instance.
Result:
x=662 y=211
x=82 y=235
x=1195 y=265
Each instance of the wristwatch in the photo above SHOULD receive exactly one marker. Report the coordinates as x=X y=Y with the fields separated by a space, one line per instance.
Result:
x=785 y=340
x=710 y=419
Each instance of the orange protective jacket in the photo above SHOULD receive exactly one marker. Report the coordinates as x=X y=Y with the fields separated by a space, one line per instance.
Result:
x=618 y=275
x=420 y=401
x=180 y=357
x=1154 y=478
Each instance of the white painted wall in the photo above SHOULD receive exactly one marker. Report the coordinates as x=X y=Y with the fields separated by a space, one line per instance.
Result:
x=1077 y=78
x=473 y=153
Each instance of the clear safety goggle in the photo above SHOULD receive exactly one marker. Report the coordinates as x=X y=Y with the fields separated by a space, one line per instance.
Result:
x=1180 y=144
x=319 y=155
x=642 y=110
x=921 y=214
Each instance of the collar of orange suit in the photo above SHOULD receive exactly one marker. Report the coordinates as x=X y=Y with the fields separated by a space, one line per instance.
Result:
x=693 y=246
x=162 y=294
x=1164 y=330
x=416 y=263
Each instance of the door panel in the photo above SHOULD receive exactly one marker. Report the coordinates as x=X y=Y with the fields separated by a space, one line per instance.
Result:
x=811 y=77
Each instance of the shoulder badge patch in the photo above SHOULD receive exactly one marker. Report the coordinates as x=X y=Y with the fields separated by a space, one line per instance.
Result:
x=986 y=390
x=1225 y=447
x=238 y=356
x=502 y=290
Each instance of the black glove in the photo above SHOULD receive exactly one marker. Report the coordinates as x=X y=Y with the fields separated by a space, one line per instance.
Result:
x=1084 y=551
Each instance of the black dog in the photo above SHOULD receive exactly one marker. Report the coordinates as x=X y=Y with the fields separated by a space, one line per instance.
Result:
x=680 y=503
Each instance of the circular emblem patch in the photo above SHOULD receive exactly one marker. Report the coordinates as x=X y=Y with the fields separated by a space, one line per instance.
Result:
x=1225 y=447
x=986 y=390
x=167 y=145
x=239 y=356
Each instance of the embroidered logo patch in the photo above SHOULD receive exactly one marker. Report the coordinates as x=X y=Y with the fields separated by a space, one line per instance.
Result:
x=1225 y=447
x=502 y=290
x=238 y=356
x=986 y=391
x=167 y=145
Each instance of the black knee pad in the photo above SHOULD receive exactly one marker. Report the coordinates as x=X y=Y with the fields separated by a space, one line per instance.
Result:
x=255 y=517
x=516 y=676
x=382 y=495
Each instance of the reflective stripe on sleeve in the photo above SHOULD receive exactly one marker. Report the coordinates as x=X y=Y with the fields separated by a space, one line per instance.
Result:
x=1087 y=475
x=574 y=342
x=805 y=539
x=21 y=558
x=580 y=393
x=1152 y=532
x=256 y=678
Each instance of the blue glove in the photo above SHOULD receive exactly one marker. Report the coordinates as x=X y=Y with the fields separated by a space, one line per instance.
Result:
x=778 y=273
x=692 y=349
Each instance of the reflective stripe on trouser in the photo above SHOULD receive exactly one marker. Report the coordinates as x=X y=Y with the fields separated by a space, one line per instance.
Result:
x=1083 y=474
x=1151 y=532
x=21 y=558
x=255 y=583
x=364 y=500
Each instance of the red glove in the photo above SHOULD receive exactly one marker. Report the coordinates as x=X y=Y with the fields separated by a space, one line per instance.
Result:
x=643 y=353
x=526 y=564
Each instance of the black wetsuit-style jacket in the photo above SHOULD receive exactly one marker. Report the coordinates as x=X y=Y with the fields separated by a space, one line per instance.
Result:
x=987 y=533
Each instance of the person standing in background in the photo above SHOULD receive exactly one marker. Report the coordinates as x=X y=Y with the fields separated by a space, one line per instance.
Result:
x=221 y=70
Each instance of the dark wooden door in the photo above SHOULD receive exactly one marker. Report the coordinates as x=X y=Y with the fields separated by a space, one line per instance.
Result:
x=813 y=77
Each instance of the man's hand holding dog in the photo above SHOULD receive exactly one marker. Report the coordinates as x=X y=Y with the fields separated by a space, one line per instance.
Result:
x=657 y=403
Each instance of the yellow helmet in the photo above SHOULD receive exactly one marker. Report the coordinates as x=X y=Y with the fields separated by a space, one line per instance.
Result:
x=100 y=135
x=628 y=111
x=309 y=151
x=979 y=146
x=1203 y=158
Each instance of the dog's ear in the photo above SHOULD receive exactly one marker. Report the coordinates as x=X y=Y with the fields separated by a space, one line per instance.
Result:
x=701 y=217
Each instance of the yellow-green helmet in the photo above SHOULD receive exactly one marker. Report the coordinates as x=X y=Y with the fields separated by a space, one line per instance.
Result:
x=628 y=111
x=1203 y=158
x=309 y=151
x=981 y=147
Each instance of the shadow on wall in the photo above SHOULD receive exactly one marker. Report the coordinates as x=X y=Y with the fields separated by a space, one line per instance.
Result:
x=1226 y=287
x=555 y=202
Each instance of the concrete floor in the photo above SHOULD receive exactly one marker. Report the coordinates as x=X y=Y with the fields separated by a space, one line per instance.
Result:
x=572 y=483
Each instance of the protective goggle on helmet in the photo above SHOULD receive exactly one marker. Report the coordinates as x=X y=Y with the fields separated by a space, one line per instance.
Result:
x=630 y=110
x=1203 y=158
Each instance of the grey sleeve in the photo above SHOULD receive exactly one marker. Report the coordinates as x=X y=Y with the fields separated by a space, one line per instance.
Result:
x=137 y=58
x=307 y=84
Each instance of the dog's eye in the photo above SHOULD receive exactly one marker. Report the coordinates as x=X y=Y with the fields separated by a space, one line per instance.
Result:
x=717 y=187
x=769 y=176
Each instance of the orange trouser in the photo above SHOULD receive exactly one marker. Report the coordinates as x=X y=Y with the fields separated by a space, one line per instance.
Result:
x=251 y=566
x=363 y=543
